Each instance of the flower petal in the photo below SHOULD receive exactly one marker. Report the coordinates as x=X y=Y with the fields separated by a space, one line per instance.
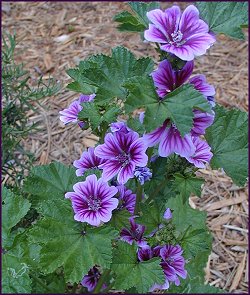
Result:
x=154 y=137
x=199 y=82
x=172 y=142
x=110 y=169
x=164 y=78
x=183 y=74
x=126 y=173
x=110 y=148
x=154 y=35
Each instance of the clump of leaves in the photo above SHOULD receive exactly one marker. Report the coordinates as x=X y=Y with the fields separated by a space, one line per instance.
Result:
x=18 y=97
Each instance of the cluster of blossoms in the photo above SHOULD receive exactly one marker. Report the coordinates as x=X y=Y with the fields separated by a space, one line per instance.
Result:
x=122 y=156
x=172 y=261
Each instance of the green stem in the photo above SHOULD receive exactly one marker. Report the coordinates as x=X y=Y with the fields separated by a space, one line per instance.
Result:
x=40 y=282
x=160 y=186
x=138 y=197
x=103 y=132
x=102 y=280
x=150 y=153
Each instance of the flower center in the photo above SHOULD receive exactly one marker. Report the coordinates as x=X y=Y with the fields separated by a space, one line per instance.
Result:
x=94 y=203
x=137 y=234
x=123 y=158
x=170 y=260
x=177 y=38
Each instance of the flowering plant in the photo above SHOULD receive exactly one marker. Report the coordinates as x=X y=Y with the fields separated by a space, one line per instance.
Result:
x=119 y=218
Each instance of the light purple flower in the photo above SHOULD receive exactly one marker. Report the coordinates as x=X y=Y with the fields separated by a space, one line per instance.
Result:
x=166 y=79
x=87 y=161
x=202 y=154
x=92 y=200
x=170 y=141
x=201 y=122
x=134 y=234
x=69 y=115
x=167 y=214
x=200 y=84
x=184 y=35
x=119 y=127
x=123 y=152
x=91 y=279
x=127 y=198
x=142 y=174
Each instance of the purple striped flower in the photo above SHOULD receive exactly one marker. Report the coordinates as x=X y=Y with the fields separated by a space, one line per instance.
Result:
x=145 y=253
x=166 y=79
x=201 y=122
x=92 y=200
x=119 y=127
x=202 y=154
x=87 y=161
x=127 y=198
x=134 y=234
x=69 y=115
x=182 y=34
x=170 y=141
x=91 y=279
x=172 y=263
x=123 y=152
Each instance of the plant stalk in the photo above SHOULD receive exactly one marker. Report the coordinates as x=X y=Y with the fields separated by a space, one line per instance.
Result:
x=40 y=282
x=138 y=197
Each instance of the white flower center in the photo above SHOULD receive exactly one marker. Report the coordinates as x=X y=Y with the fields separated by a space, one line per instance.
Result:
x=177 y=38
x=123 y=158
x=94 y=203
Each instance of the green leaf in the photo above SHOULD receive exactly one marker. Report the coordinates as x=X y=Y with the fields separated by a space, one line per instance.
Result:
x=13 y=210
x=50 y=182
x=138 y=21
x=129 y=272
x=190 y=286
x=64 y=244
x=60 y=210
x=111 y=114
x=128 y=22
x=184 y=216
x=225 y=17
x=228 y=137
x=187 y=184
x=15 y=275
x=91 y=112
x=96 y=116
x=178 y=105
x=141 y=9
x=120 y=219
x=108 y=73
x=136 y=125
x=55 y=284
x=151 y=215
x=195 y=241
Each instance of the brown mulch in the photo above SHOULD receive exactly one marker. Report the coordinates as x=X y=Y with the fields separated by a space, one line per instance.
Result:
x=53 y=37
